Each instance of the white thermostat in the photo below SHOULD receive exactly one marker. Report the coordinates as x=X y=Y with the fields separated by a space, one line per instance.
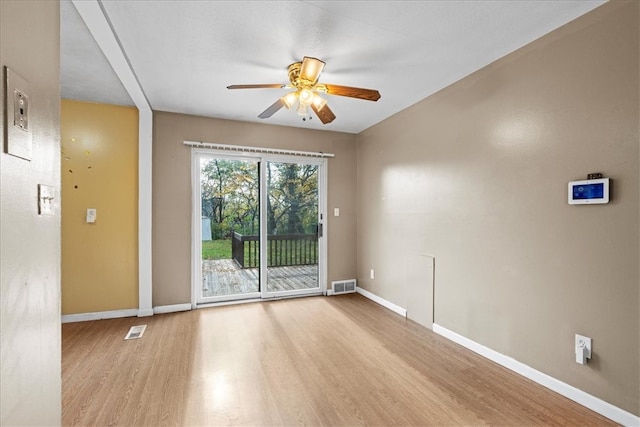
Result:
x=589 y=192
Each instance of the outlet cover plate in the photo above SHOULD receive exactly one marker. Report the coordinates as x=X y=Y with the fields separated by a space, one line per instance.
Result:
x=18 y=140
x=582 y=341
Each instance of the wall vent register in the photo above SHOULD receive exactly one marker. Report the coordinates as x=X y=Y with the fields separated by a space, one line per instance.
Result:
x=343 y=287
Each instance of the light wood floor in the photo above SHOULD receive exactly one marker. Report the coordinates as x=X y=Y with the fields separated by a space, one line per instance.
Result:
x=339 y=360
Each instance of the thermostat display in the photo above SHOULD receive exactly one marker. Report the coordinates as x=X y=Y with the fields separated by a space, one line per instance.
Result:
x=591 y=191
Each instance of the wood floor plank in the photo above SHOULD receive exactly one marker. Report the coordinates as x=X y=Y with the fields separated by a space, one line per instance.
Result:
x=322 y=361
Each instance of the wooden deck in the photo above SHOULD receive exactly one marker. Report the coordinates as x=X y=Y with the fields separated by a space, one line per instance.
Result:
x=224 y=277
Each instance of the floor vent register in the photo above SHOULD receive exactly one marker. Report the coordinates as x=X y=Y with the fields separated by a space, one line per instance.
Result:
x=135 y=332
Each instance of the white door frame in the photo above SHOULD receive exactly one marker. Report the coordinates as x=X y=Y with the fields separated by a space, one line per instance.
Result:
x=322 y=215
x=196 y=223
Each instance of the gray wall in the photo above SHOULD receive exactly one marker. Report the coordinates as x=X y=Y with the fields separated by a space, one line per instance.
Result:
x=476 y=176
x=30 y=249
x=172 y=192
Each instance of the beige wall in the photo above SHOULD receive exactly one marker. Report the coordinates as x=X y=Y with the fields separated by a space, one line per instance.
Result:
x=30 y=392
x=476 y=176
x=172 y=192
x=100 y=171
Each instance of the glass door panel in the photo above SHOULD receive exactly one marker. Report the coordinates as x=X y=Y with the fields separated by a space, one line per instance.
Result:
x=292 y=205
x=230 y=228
x=257 y=226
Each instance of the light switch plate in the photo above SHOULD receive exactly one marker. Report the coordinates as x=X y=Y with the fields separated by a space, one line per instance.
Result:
x=45 y=199
x=18 y=140
x=91 y=215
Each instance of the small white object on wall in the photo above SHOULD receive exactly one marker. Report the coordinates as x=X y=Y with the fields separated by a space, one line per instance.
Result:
x=45 y=199
x=583 y=349
x=91 y=215
x=17 y=128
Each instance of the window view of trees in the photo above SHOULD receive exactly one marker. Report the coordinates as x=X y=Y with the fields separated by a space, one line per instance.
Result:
x=230 y=196
x=292 y=205
x=230 y=199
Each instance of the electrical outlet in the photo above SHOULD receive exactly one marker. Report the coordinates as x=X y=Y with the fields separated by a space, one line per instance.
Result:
x=583 y=342
x=372 y=274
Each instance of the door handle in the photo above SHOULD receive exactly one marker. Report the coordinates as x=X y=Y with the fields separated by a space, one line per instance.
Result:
x=319 y=229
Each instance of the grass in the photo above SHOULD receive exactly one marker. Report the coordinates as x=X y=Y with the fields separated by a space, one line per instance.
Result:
x=216 y=249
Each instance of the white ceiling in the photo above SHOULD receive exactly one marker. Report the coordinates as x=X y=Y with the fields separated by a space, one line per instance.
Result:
x=185 y=53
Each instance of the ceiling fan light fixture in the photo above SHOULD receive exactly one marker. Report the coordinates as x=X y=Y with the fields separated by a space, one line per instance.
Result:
x=302 y=109
x=290 y=99
x=306 y=96
x=303 y=78
x=319 y=102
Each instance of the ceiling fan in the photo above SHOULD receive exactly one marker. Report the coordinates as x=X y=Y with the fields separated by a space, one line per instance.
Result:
x=303 y=78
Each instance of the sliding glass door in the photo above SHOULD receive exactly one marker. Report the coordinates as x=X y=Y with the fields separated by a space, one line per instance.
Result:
x=229 y=211
x=258 y=225
x=292 y=227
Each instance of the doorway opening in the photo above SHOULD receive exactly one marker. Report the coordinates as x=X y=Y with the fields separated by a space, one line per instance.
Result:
x=257 y=227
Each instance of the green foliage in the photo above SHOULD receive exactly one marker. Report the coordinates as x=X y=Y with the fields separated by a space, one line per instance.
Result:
x=292 y=206
x=230 y=197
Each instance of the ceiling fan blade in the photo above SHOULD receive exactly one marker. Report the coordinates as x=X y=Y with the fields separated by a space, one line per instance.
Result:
x=272 y=109
x=324 y=114
x=265 y=86
x=310 y=69
x=352 y=92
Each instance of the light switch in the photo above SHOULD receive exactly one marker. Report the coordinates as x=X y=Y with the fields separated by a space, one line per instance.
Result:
x=336 y=211
x=45 y=199
x=91 y=215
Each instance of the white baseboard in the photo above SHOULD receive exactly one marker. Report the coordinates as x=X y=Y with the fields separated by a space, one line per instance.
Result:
x=99 y=315
x=585 y=399
x=162 y=309
x=114 y=314
x=383 y=302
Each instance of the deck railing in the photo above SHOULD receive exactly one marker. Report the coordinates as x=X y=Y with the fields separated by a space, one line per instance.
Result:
x=282 y=250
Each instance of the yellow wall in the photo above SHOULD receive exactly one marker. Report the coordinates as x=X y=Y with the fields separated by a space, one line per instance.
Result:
x=99 y=170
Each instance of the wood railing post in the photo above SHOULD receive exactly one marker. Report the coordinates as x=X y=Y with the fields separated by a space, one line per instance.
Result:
x=237 y=248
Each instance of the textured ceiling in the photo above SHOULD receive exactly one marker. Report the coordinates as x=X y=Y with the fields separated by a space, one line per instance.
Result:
x=185 y=53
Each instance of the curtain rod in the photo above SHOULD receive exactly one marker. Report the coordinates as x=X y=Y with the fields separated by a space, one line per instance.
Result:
x=242 y=148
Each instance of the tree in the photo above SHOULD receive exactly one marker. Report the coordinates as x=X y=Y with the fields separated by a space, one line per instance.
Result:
x=230 y=196
x=293 y=197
